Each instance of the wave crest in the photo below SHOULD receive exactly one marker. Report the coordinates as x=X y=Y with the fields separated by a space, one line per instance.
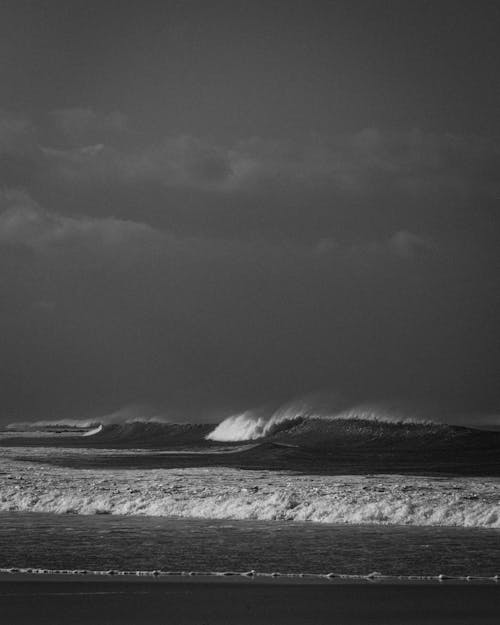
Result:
x=93 y=431
x=252 y=425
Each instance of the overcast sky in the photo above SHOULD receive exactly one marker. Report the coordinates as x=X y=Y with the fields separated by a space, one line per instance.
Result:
x=205 y=206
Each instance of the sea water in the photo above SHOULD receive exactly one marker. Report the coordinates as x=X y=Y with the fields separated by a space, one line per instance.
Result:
x=71 y=504
x=124 y=543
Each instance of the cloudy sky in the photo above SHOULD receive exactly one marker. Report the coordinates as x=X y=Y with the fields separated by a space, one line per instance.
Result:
x=205 y=206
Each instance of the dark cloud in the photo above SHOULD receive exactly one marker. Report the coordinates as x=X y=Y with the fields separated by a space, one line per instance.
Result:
x=83 y=126
x=16 y=132
x=23 y=222
x=353 y=166
x=19 y=152
x=366 y=184
x=194 y=275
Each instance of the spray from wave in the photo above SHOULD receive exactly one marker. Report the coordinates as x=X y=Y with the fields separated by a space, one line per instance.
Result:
x=51 y=424
x=252 y=425
x=132 y=413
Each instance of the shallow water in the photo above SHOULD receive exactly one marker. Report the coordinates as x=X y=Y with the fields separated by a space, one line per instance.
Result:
x=144 y=543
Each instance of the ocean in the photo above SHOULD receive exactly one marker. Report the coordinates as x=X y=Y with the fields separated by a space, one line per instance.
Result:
x=115 y=544
x=346 y=499
x=281 y=520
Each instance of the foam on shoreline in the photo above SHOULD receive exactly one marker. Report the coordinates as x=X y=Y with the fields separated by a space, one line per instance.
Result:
x=244 y=575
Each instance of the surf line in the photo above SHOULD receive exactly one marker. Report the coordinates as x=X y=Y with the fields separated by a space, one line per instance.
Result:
x=252 y=574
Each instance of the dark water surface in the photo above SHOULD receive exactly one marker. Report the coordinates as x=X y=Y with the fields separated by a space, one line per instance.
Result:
x=309 y=445
x=53 y=541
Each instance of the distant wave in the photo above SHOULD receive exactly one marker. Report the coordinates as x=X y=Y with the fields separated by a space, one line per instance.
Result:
x=93 y=431
x=48 y=425
x=132 y=425
x=127 y=414
x=150 y=434
x=319 y=419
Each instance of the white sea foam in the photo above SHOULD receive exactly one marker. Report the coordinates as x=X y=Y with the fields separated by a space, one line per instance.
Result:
x=94 y=431
x=224 y=493
x=246 y=426
x=252 y=574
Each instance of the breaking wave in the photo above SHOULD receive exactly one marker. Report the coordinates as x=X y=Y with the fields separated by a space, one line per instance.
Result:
x=226 y=493
x=252 y=425
x=93 y=431
x=129 y=426
x=149 y=433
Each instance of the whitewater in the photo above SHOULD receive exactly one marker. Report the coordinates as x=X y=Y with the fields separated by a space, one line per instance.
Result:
x=228 y=493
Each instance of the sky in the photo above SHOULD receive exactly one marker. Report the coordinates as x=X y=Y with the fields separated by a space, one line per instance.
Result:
x=208 y=206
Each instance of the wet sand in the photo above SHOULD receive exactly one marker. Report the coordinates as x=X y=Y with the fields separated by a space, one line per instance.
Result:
x=62 y=601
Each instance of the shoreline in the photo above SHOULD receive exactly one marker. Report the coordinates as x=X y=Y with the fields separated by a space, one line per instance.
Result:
x=237 y=577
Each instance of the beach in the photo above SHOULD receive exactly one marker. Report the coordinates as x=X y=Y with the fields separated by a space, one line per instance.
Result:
x=26 y=600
